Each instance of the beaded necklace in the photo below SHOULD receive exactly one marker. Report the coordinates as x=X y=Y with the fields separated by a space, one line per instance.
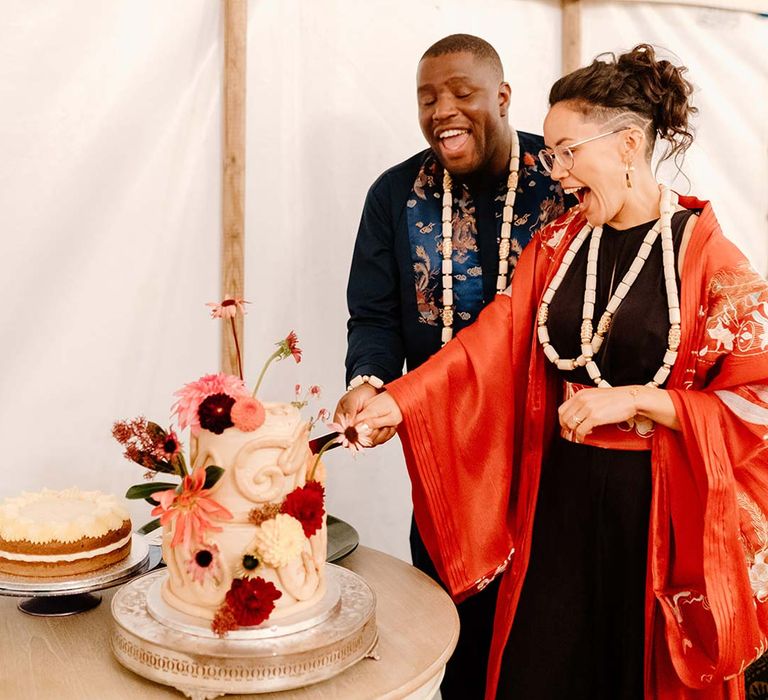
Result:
x=504 y=244
x=592 y=341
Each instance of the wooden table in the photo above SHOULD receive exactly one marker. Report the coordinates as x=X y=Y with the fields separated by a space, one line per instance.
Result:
x=70 y=657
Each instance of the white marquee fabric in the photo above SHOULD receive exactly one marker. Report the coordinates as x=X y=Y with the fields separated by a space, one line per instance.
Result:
x=110 y=197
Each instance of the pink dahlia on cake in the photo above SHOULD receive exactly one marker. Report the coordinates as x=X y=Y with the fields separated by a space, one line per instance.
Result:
x=191 y=395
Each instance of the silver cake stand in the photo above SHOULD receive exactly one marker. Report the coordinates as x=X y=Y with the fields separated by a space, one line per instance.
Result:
x=59 y=596
x=165 y=646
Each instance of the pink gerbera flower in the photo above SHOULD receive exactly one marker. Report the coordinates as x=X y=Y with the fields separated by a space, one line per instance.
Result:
x=353 y=437
x=204 y=564
x=193 y=394
x=287 y=347
x=228 y=308
x=192 y=511
x=290 y=346
x=168 y=446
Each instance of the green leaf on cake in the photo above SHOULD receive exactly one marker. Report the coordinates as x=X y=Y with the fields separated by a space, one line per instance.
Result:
x=178 y=464
x=149 y=527
x=156 y=431
x=161 y=465
x=146 y=490
x=212 y=475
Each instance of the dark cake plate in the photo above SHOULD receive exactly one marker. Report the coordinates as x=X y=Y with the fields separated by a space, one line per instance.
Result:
x=342 y=539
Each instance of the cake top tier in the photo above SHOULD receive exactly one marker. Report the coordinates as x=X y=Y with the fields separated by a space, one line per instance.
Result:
x=63 y=516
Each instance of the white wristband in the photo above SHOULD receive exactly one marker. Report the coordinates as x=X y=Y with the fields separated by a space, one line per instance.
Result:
x=371 y=379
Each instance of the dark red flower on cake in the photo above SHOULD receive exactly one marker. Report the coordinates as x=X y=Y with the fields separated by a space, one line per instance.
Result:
x=251 y=600
x=306 y=505
x=191 y=395
x=215 y=413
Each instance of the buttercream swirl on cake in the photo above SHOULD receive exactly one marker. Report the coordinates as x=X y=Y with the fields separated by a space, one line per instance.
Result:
x=261 y=467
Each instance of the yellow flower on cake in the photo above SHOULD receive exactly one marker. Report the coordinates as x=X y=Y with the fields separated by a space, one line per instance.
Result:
x=279 y=541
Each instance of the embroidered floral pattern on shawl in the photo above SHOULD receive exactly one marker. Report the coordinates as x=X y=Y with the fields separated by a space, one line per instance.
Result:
x=707 y=596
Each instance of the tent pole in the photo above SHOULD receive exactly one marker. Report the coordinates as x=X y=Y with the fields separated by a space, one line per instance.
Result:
x=233 y=185
x=571 y=28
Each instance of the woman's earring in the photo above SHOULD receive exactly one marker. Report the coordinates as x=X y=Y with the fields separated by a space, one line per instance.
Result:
x=628 y=179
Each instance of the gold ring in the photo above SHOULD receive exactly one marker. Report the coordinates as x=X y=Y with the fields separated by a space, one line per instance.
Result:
x=577 y=421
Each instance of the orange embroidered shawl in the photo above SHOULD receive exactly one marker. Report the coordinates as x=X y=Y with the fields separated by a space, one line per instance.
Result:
x=479 y=416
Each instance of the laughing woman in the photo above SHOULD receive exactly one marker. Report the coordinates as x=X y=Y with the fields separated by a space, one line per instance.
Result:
x=599 y=435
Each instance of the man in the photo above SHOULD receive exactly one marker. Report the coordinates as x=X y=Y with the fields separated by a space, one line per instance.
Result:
x=433 y=248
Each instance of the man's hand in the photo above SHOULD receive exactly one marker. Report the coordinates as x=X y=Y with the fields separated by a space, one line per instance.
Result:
x=382 y=415
x=352 y=403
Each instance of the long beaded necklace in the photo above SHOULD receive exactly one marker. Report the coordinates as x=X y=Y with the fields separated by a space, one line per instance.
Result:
x=592 y=341
x=504 y=244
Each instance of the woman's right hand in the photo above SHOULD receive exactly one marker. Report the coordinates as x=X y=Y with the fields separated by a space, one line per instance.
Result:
x=381 y=411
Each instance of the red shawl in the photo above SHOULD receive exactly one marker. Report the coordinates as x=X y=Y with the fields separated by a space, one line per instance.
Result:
x=479 y=416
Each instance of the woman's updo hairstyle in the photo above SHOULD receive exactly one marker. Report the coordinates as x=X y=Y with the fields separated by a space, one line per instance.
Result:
x=651 y=93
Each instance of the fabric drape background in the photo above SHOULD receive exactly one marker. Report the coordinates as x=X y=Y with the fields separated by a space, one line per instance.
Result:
x=110 y=197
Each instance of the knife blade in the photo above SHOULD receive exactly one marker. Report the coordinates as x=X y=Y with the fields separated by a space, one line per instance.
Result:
x=317 y=444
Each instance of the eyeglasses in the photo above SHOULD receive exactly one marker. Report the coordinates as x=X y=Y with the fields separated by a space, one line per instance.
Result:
x=564 y=154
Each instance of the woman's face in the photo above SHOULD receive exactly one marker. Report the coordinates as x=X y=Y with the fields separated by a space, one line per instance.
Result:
x=598 y=174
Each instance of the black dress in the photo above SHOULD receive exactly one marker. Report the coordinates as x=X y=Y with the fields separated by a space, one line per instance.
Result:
x=579 y=627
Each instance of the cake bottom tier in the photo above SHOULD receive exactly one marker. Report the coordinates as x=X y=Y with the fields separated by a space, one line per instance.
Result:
x=56 y=565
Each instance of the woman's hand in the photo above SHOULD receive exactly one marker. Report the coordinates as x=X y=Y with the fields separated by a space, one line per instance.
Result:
x=382 y=415
x=592 y=407
x=353 y=402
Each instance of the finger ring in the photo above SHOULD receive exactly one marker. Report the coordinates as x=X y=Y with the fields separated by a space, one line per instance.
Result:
x=577 y=421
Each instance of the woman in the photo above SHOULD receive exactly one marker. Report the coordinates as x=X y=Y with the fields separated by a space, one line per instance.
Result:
x=600 y=434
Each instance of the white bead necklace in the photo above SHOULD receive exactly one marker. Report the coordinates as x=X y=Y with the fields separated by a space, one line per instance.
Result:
x=504 y=244
x=591 y=341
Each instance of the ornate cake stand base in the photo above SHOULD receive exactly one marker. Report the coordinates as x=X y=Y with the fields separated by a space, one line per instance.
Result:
x=203 y=668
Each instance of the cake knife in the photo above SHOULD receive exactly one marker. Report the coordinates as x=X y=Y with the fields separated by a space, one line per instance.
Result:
x=318 y=443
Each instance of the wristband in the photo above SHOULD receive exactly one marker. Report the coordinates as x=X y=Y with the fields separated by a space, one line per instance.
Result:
x=371 y=379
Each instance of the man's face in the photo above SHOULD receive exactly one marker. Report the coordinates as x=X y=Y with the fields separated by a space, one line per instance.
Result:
x=463 y=112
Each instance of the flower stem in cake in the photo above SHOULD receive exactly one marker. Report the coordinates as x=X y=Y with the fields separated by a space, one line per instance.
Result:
x=323 y=450
x=288 y=347
x=269 y=361
x=351 y=436
x=229 y=308
x=237 y=348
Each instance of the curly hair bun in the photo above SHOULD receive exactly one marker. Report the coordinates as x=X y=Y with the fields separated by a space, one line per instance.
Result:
x=638 y=82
